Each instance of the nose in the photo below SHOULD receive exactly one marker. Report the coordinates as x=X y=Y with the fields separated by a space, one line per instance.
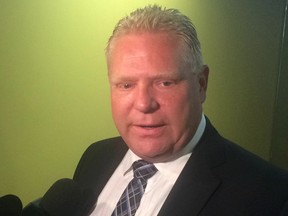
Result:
x=145 y=100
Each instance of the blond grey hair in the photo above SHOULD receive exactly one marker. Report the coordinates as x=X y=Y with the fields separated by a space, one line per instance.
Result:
x=157 y=19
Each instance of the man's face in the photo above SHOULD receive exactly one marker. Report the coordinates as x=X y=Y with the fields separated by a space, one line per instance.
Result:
x=156 y=99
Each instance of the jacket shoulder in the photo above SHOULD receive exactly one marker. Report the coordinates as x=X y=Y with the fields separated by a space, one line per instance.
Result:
x=99 y=161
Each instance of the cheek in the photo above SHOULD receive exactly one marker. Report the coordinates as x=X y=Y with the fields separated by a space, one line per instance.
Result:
x=120 y=106
x=182 y=109
x=115 y=107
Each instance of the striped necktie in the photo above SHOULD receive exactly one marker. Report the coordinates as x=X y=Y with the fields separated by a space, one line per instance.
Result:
x=131 y=197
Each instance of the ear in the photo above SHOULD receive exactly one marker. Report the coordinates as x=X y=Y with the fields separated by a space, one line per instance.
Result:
x=203 y=82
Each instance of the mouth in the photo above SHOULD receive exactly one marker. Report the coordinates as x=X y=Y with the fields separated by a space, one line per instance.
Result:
x=149 y=130
x=150 y=126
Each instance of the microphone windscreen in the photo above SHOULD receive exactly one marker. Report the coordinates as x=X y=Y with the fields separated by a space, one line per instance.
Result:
x=66 y=197
x=10 y=205
x=34 y=209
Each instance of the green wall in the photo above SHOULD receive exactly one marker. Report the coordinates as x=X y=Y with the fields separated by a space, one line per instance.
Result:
x=54 y=94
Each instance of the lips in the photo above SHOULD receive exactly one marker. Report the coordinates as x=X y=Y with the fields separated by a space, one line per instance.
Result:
x=148 y=129
x=149 y=125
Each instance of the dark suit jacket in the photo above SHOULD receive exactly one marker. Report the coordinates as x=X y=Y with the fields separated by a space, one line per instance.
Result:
x=219 y=179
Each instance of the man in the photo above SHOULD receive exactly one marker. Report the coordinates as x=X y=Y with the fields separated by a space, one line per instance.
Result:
x=158 y=85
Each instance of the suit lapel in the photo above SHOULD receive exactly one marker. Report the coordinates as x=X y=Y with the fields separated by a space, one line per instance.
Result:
x=197 y=181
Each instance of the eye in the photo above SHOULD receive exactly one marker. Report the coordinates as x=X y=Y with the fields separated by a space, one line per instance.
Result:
x=166 y=83
x=125 y=86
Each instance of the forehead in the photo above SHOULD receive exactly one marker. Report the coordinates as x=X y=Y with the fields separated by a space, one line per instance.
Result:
x=143 y=48
x=147 y=56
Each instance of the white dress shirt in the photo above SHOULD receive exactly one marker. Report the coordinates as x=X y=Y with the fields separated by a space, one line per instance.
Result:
x=158 y=186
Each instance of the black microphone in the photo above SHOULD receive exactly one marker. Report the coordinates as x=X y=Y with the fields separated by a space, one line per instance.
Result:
x=65 y=197
x=34 y=209
x=10 y=205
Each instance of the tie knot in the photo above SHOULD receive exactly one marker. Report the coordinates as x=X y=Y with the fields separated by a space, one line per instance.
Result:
x=143 y=169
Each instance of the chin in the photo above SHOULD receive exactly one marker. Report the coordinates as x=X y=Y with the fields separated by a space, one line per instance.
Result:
x=152 y=154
